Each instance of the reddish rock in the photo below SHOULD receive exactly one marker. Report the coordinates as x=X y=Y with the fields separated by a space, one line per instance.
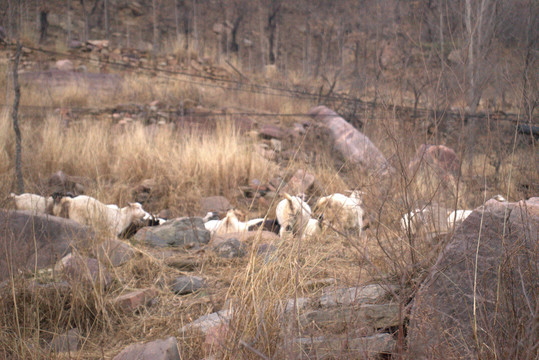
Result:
x=301 y=182
x=64 y=65
x=135 y=299
x=270 y=131
x=215 y=339
x=443 y=159
x=354 y=146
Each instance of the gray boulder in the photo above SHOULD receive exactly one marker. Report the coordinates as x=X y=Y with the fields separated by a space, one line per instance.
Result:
x=230 y=248
x=185 y=231
x=27 y=240
x=187 y=284
x=485 y=279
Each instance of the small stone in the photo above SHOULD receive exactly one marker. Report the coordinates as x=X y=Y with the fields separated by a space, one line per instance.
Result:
x=115 y=252
x=187 y=284
x=64 y=65
x=67 y=342
x=207 y=322
x=135 y=299
x=230 y=248
x=166 y=349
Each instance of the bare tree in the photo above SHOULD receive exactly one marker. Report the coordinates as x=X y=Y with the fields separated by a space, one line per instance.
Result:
x=14 y=116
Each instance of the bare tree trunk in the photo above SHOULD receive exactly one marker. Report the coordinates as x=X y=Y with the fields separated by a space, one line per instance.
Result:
x=195 y=27
x=106 y=11
x=155 y=32
x=68 y=10
x=43 y=26
x=14 y=116
x=307 y=49
x=176 y=20
x=86 y=22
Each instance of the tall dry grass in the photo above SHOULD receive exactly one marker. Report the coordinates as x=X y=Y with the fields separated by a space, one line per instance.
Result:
x=186 y=165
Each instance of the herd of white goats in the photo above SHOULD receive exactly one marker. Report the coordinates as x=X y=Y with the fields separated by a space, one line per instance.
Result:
x=293 y=214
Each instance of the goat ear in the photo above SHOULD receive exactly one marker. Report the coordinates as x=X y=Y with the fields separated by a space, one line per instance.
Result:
x=289 y=198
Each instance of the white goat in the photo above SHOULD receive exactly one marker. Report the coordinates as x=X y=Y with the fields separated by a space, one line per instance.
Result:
x=458 y=216
x=341 y=211
x=313 y=228
x=229 y=224
x=293 y=215
x=37 y=204
x=412 y=220
x=89 y=211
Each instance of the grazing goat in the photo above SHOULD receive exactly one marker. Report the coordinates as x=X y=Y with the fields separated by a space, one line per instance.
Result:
x=264 y=224
x=341 y=211
x=458 y=216
x=229 y=224
x=89 y=211
x=313 y=228
x=412 y=220
x=293 y=215
x=37 y=204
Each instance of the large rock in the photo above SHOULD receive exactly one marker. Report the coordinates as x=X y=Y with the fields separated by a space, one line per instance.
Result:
x=185 y=231
x=482 y=289
x=299 y=183
x=166 y=349
x=30 y=240
x=354 y=146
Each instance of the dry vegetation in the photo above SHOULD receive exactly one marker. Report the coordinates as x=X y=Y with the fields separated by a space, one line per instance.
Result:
x=187 y=165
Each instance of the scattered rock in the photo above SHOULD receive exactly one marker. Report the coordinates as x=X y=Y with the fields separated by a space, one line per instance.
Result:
x=115 y=252
x=230 y=248
x=300 y=183
x=182 y=263
x=270 y=131
x=166 y=349
x=354 y=146
x=218 y=204
x=354 y=295
x=346 y=347
x=64 y=65
x=186 y=284
x=79 y=269
x=377 y=316
x=135 y=299
x=207 y=322
x=246 y=237
x=468 y=278
x=442 y=159
x=215 y=339
x=30 y=240
x=185 y=231
x=67 y=342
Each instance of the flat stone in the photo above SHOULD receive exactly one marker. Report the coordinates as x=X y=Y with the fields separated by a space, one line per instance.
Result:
x=186 y=284
x=166 y=349
x=354 y=295
x=181 y=263
x=269 y=131
x=207 y=322
x=367 y=347
x=378 y=316
x=67 y=342
x=135 y=299
x=230 y=248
